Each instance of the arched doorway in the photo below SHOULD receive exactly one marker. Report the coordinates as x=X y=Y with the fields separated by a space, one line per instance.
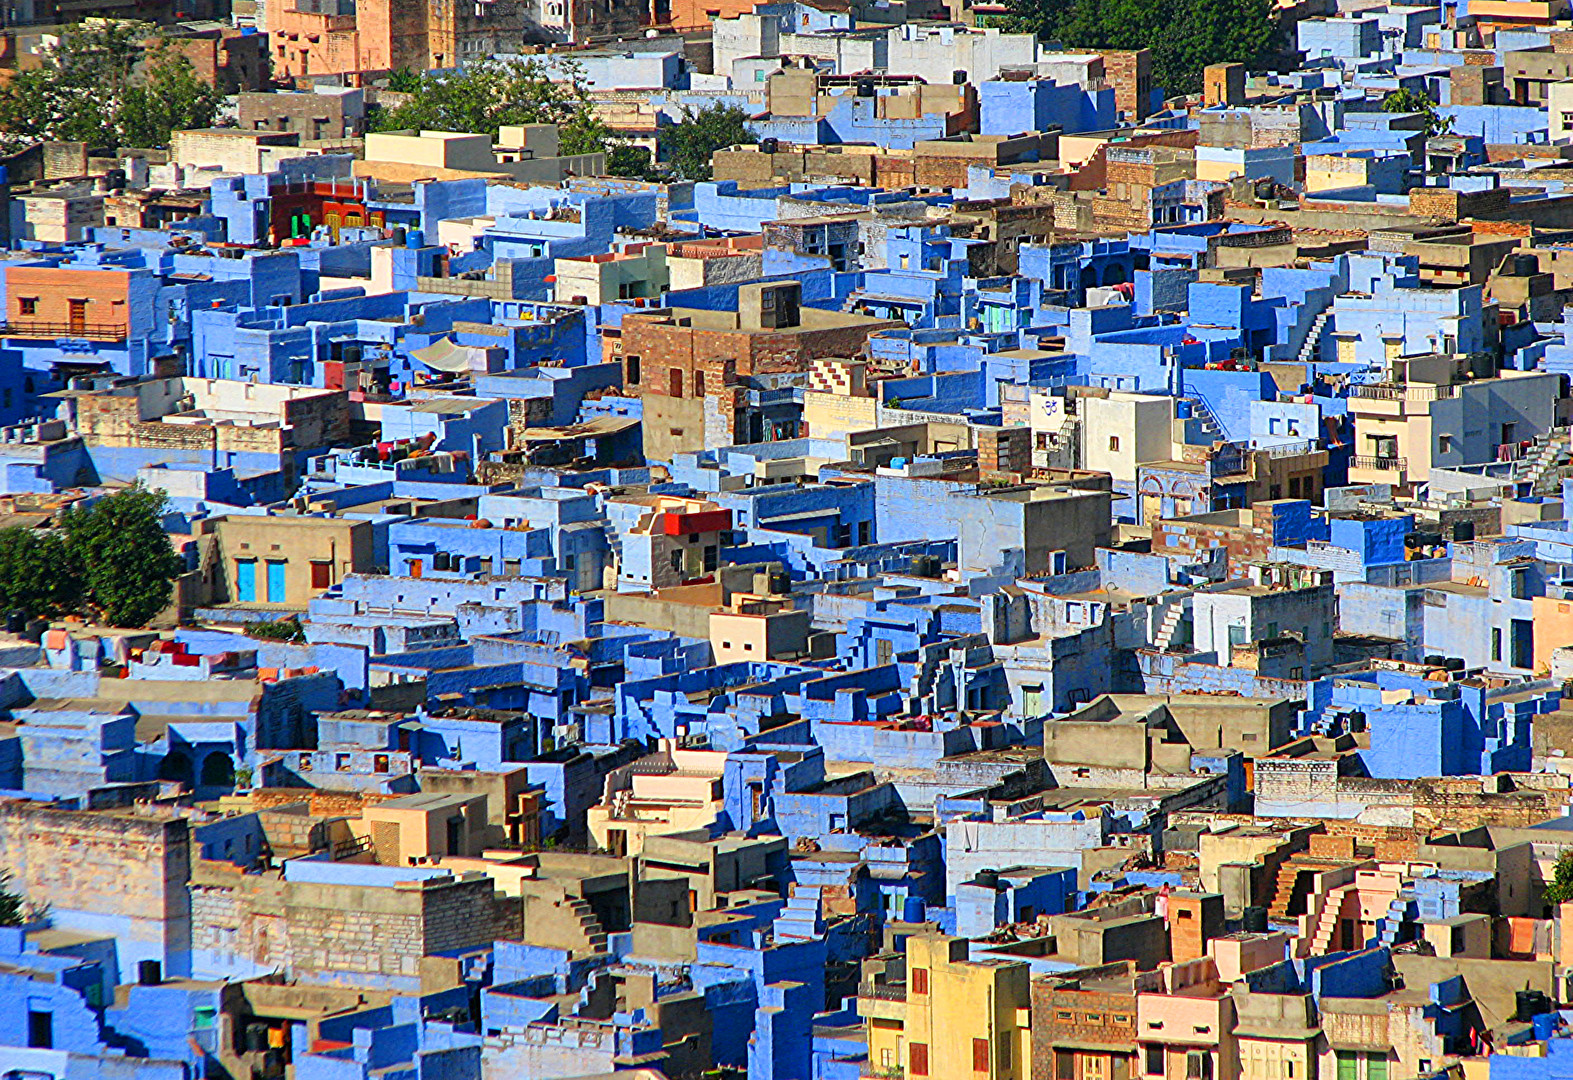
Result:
x=218 y=770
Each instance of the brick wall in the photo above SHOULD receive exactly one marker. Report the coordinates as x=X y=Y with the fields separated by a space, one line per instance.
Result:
x=1079 y=1019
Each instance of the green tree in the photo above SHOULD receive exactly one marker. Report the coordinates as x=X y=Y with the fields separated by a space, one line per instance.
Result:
x=13 y=909
x=688 y=145
x=1405 y=100
x=1184 y=35
x=484 y=96
x=37 y=573
x=633 y=162
x=129 y=565
x=171 y=96
x=1560 y=890
x=107 y=86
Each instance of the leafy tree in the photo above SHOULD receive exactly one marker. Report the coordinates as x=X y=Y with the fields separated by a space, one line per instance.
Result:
x=13 y=909
x=484 y=96
x=104 y=85
x=628 y=160
x=129 y=565
x=37 y=574
x=1560 y=891
x=689 y=144
x=1184 y=35
x=404 y=81
x=1405 y=100
x=285 y=629
x=171 y=97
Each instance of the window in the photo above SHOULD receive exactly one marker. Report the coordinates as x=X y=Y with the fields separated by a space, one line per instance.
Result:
x=1444 y=444
x=341 y=762
x=321 y=574
x=1496 y=643
x=379 y=763
x=633 y=370
x=918 y=1059
x=1348 y=1066
x=699 y=384
x=980 y=1055
x=28 y=305
x=202 y=1017
x=1155 y=1061
x=674 y=383
x=304 y=764
x=1064 y=1065
x=920 y=980
x=1376 y=1066
x=1114 y=442
x=1198 y=1065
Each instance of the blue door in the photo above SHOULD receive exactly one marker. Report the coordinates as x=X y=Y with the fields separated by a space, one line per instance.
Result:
x=245 y=580
x=275 y=582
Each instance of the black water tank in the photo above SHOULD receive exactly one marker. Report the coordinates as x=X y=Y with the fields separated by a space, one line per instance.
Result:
x=15 y=622
x=149 y=973
x=443 y=561
x=1463 y=531
x=769 y=145
x=1529 y=1004
x=1435 y=660
x=1454 y=663
x=1254 y=920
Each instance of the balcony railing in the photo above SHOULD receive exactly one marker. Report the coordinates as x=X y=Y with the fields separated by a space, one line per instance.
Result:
x=35 y=328
x=882 y=991
x=1391 y=392
x=1380 y=464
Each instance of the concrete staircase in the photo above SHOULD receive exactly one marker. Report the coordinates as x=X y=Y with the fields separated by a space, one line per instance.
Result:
x=1169 y=626
x=1328 y=919
x=591 y=938
x=1551 y=451
x=1313 y=336
x=1283 y=891
x=1205 y=419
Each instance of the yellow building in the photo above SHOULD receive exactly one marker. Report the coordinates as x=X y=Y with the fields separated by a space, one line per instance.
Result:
x=948 y=1016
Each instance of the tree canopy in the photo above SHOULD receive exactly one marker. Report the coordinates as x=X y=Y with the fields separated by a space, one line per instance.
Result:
x=487 y=95
x=1184 y=35
x=1405 y=100
x=688 y=144
x=36 y=573
x=127 y=564
x=111 y=85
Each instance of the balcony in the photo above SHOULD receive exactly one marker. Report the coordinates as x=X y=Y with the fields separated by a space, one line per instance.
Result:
x=878 y=991
x=1379 y=464
x=1404 y=392
x=79 y=331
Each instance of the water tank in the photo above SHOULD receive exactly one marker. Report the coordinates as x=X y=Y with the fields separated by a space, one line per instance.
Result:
x=1463 y=531
x=149 y=973
x=1435 y=660
x=1454 y=663
x=1528 y=1004
x=769 y=145
x=15 y=622
x=912 y=909
x=1254 y=920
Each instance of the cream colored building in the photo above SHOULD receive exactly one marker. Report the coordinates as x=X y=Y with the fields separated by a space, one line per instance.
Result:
x=670 y=791
x=758 y=628
x=1124 y=431
x=1429 y=415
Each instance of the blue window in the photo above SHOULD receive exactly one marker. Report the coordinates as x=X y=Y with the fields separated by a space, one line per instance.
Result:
x=245 y=580
x=275 y=582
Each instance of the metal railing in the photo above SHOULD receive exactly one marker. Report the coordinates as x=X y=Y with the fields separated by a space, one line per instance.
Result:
x=1380 y=464
x=36 y=328
x=882 y=991
x=1391 y=392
